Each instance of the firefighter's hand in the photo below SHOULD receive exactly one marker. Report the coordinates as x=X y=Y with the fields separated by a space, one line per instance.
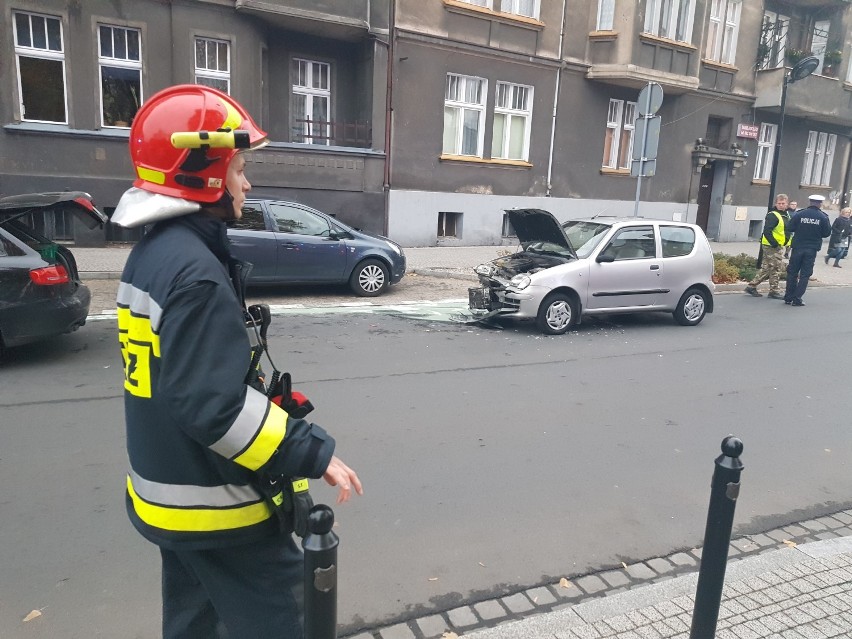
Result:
x=340 y=475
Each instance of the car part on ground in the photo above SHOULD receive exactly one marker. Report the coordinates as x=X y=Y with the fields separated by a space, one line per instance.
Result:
x=290 y=243
x=40 y=290
x=596 y=266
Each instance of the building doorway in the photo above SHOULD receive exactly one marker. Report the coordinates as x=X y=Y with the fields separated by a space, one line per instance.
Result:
x=705 y=191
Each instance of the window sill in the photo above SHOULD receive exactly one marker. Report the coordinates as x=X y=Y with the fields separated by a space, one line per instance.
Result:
x=719 y=65
x=603 y=36
x=815 y=187
x=757 y=182
x=616 y=172
x=509 y=18
x=650 y=37
x=444 y=157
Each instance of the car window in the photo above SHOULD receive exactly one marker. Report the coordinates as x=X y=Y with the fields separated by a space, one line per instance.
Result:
x=676 y=240
x=631 y=243
x=584 y=236
x=9 y=248
x=292 y=219
x=252 y=218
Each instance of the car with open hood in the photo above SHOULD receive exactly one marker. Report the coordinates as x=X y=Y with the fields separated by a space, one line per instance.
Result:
x=41 y=294
x=290 y=243
x=596 y=266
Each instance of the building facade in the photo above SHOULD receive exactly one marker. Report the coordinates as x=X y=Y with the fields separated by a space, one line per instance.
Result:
x=540 y=102
x=426 y=119
x=312 y=72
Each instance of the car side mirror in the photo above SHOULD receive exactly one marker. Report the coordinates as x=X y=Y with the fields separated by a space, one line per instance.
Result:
x=603 y=258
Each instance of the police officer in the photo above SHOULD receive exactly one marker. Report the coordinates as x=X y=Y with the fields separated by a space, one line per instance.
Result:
x=200 y=439
x=772 y=243
x=809 y=225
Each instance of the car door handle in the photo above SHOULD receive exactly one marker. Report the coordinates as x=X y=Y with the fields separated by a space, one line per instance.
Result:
x=655 y=267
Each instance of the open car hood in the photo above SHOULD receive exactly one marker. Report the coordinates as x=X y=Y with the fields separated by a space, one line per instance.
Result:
x=536 y=225
x=79 y=203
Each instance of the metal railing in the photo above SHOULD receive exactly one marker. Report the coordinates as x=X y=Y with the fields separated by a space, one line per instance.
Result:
x=328 y=132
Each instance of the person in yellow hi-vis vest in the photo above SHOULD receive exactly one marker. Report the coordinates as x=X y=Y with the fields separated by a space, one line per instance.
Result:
x=773 y=242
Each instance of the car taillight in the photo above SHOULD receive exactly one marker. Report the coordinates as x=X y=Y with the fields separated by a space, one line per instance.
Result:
x=49 y=275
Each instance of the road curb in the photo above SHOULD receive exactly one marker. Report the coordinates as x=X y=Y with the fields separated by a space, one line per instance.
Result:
x=647 y=581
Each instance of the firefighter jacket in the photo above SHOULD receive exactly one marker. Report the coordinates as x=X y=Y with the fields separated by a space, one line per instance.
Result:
x=198 y=437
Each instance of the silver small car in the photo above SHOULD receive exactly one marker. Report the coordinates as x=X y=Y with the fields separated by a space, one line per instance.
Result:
x=596 y=266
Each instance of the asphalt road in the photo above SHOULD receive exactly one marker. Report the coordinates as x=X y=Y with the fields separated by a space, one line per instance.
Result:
x=492 y=459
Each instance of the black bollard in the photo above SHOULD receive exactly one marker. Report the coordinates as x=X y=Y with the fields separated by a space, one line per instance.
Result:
x=724 y=491
x=320 y=546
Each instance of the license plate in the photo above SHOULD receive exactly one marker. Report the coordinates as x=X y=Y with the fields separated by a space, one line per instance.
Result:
x=478 y=298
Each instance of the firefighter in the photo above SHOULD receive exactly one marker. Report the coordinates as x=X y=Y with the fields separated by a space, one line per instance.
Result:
x=202 y=440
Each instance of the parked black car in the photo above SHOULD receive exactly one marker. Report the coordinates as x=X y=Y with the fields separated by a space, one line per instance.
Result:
x=40 y=290
x=290 y=243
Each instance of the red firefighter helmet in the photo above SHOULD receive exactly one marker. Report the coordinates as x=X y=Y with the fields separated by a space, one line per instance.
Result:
x=183 y=139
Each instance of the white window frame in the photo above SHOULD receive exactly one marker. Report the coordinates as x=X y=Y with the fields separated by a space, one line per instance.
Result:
x=606 y=15
x=819 y=41
x=40 y=53
x=461 y=105
x=618 y=125
x=765 y=151
x=819 y=158
x=664 y=17
x=723 y=30
x=311 y=92
x=849 y=67
x=773 y=36
x=206 y=72
x=117 y=62
x=520 y=101
x=508 y=6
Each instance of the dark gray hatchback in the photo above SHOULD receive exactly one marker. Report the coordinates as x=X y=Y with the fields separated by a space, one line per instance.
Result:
x=40 y=290
x=290 y=243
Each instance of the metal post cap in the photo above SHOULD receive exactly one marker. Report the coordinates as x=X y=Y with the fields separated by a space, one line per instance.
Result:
x=320 y=520
x=732 y=446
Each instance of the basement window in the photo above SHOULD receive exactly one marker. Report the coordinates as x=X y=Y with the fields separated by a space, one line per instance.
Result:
x=507 y=231
x=449 y=224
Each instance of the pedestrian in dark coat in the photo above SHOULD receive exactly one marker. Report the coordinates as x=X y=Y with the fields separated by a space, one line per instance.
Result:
x=838 y=243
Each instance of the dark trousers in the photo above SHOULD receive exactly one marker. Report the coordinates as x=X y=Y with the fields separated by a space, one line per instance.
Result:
x=245 y=592
x=800 y=268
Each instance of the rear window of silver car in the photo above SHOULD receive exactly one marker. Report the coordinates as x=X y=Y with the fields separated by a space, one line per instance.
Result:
x=677 y=240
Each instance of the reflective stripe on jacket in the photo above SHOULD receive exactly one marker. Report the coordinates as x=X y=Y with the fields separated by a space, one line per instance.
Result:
x=197 y=435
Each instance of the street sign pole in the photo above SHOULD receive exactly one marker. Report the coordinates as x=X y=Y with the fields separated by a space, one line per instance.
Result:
x=650 y=99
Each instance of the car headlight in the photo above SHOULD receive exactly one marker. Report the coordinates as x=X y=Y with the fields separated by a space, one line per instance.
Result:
x=485 y=269
x=520 y=282
x=396 y=248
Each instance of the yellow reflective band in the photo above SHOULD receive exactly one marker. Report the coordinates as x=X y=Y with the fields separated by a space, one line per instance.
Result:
x=278 y=499
x=138 y=329
x=268 y=439
x=234 y=120
x=150 y=175
x=300 y=485
x=197 y=519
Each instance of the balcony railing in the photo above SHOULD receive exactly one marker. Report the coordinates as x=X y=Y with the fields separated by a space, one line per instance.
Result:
x=326 y=132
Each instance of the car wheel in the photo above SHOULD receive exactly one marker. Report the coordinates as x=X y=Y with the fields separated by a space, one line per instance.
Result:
x=691 y=308
x=369 y=278
x=557 y=313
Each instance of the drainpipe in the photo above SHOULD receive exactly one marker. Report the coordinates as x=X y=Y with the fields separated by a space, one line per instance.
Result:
x=556 y=102
x=847 y=169
x=389 y=111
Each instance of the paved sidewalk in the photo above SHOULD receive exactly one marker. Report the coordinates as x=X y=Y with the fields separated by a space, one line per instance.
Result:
x=793 y=582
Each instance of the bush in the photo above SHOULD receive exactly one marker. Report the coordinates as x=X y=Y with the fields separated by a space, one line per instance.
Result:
x=724 y=272
x=733 y=268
